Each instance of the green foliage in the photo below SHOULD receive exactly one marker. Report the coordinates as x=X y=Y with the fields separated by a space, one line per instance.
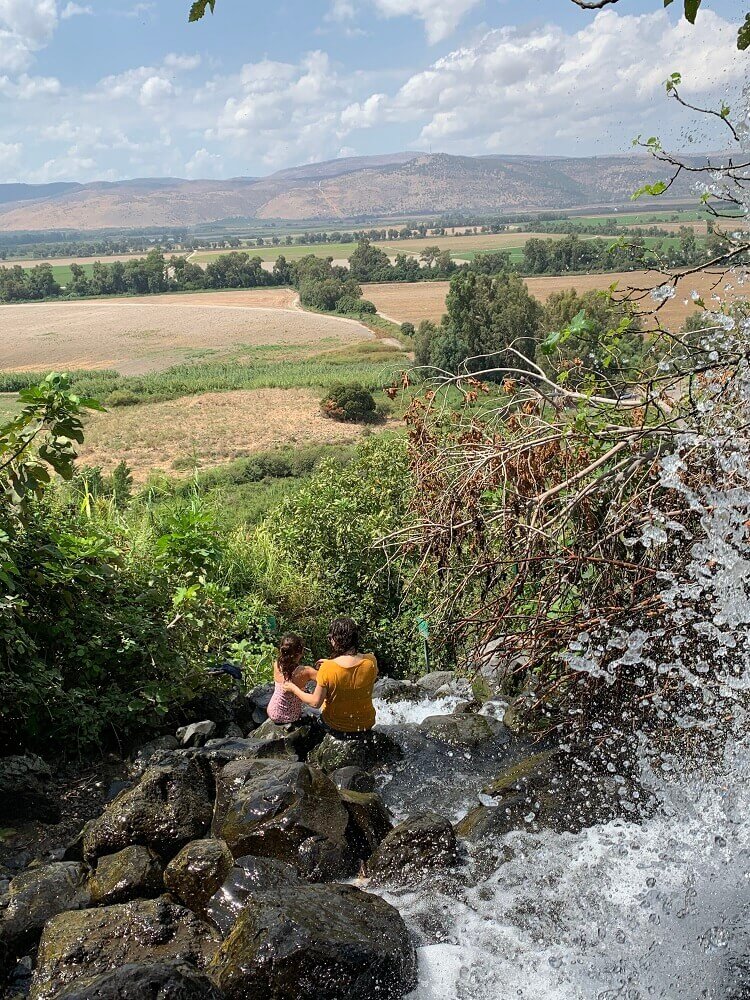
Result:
x=41 y=440
x=199 y=7
x=349 y=402
x=589 y=337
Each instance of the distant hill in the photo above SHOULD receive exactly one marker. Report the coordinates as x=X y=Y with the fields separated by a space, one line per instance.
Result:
x=346 y=189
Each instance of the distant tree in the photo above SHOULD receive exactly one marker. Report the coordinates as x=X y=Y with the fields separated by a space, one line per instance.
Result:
x=369 y=263
x=487 y=315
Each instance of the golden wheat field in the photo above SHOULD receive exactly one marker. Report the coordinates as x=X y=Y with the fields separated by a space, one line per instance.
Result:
x=152 y=333
x=207 y=430
x=413 y=302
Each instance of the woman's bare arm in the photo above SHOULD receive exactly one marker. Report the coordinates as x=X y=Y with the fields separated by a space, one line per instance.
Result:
x=314 y=700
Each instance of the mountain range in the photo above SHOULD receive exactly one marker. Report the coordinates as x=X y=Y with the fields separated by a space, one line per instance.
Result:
x=348 y=189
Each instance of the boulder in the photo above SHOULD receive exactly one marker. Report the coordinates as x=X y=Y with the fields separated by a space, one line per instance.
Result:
x=290 y=741
x=170 y=806
x=37 y=895
x=421 y=843
x=389 y=689
x=198 y=871
x=466 y=731
x=431 y=683
x=134 y=872
x=158 y=748
x=547 y=789
x=353 y=779
x=196 y=734
x=316 y=942
x=366 y=751
x=88 y=943
x=23 y=791
x=270 y=808
x=216 y=754
x=260 y=697
x=176 y=980
x=249 y=877
x=369 y=822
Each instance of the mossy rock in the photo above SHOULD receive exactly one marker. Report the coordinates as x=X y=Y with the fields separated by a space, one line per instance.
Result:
x=198 y=871
x=135 y=872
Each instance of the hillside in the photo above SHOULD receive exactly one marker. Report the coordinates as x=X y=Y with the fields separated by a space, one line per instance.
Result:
x=351 y=188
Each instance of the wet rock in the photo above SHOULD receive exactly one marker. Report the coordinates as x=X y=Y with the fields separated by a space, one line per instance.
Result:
x=90 y=943
x=170 y=806
x=353 y=779
x=466 y=708
x=23 y=791
x=261 y=698
x=247 y=878
x=468 y=731
x=196 y=734
x=198 y=871
x=131 y=873
x=143 y=757
x=115 y=788
x=317 y=941
x=369 y=822
x=547 y=789
x=431 y=683
x=232 y=731
x=153 y=981
x=216 y=754
x=269 y=808
x=366 y=751
x=389 y=689
x=419 y=844
x=39 y=894
x=295 y=740
x=322 y=860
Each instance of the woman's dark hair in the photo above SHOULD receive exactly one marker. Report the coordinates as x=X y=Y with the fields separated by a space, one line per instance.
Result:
x=291 y=649
x=343 y=636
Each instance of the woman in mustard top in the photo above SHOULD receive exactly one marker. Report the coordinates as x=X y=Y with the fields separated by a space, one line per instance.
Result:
x=344 y=683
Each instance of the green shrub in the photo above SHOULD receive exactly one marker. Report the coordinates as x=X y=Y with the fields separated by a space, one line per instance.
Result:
x=123 y=397
x=349 y=403
x=407 y=329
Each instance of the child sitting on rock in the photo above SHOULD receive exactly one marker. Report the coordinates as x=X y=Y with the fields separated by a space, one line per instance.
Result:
x=344 y=684
x=284 y=707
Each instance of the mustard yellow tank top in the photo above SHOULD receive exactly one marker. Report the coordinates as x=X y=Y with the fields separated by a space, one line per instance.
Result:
x=348 y=706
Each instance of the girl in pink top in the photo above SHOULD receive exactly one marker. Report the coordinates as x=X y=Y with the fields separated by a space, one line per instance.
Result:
x=284 y=707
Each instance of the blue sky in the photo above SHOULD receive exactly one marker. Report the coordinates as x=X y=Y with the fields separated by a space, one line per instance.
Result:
x=106 y=89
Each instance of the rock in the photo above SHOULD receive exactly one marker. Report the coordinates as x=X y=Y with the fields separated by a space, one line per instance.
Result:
x=369 y=822
x=260 y=697
x=269 y=808
x=353 y=779
x=170 y=806
x=494 y=708
x=114 y=790
x=232 y=731
x=366 y=751
x=547 y=789
x=467 y=731
x=23 y=791
x=131 y=873
x=37 y=895
x=322 y=860
x=249 y=877
x=198 y=871
x=196 y=734
x=421 y=843
x=466 y=708
x=216 y=754
x=153 y=981
x=89 y=943
x=312 y=942
x=295 y=740
x=431 y=683
x=145 y=754
x=389 y=689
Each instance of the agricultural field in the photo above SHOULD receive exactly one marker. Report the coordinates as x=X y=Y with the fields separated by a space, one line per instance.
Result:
x=207 y=430
x=137 y=335
x=426 y=300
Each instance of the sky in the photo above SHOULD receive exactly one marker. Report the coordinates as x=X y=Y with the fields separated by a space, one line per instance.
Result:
x=112 y=89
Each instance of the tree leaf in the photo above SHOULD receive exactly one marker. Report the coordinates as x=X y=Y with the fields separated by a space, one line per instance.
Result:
x=691 y=9
x=198 y=9
x=743 y=35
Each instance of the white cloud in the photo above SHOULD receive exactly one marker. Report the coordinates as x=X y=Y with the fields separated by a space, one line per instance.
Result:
x=183 y=62
x=155 y=90
x=531 y=91
x=204 y=164
x=10 y=157
x=25 y=27
x=76 y=10
x=440 y=17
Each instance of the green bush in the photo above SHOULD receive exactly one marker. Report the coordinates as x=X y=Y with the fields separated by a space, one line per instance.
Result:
x=123 y=397
x=349 y=403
